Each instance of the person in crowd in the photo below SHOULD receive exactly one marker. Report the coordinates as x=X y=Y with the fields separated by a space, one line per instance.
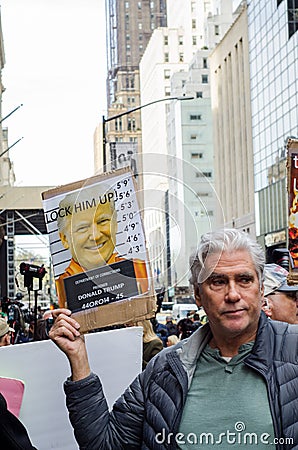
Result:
x=160 y=330
x=13 y=434
x=185 y=328
x=89 y=234
x=151 y=342
x=234 y=376
x=280 y=299
x=171 y=326
x=172 y=340
x=5 y=333
x=196 y=320
x=44 y=325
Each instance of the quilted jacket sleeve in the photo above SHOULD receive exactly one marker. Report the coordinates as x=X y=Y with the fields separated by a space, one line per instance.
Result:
x=96 y=428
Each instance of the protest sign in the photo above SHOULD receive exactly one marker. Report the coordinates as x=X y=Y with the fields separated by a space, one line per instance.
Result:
x=100 y=261
x=116 y=356
x=292 y=186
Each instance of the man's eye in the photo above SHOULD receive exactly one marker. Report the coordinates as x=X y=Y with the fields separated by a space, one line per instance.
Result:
x=218 y=282
x=245 y=280
x=103 y=222
x=81 y=229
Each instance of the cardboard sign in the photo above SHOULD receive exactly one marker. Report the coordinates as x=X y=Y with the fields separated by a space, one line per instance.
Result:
x=292 y=186
x=98 y=249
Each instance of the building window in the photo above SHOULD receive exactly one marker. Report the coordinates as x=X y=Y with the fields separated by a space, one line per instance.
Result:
x=181 y=57
x=180 y=40
x=140 y=26
x=167 y=91
x=193 y=24
x=139 y=5
x=166 y=57
x=167 y=74
x=126 y=5
x=203 y=194
x=195 y=117
x=141 y=47
x=204 y=79
x=197 y=155
x=166 y=40
x=118 y=124
x=130 y=82
x=203 y=174
x=216 y=30
x=151 y=5
x=292 y=16
x=205 y=63
x=193 y=137
x=199 y=94
x=194 y=40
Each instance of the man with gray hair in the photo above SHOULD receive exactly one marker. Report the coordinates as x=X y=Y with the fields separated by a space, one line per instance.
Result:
x=280 y=299
x=233 y=381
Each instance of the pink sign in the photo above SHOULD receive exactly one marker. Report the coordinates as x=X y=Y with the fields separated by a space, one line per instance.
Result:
x=13 y=391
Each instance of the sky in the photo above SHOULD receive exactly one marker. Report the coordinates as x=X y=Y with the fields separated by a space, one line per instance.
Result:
x=56 y=67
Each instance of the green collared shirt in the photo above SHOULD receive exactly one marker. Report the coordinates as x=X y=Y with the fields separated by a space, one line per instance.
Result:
x=227 y=405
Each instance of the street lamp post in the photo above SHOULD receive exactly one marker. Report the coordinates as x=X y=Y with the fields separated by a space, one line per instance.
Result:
x=125 y=113
x=14 y=110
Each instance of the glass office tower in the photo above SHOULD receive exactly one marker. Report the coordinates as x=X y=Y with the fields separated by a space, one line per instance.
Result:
x=273 y=58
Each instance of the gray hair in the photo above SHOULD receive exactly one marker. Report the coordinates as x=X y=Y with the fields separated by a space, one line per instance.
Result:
x=216 y=242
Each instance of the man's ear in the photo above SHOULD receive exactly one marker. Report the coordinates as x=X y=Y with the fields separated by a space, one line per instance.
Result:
x=64 y=240
x=197 y=296
x=267 y=307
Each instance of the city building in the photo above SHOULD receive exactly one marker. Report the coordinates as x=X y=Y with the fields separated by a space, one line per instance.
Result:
x=129 y=27
x=274 y=109
x=166 y=71
x=193 y=202
x=7 y=175
x=254 y=96
x=231 y=106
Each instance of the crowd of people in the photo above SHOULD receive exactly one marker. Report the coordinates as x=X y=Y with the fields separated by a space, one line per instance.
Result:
x=247 y=348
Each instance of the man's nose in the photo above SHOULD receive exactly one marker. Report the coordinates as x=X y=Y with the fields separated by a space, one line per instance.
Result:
x=232 y=293
x=96 y=231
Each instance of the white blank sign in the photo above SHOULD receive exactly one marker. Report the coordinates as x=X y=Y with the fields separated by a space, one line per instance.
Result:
x=116 y=356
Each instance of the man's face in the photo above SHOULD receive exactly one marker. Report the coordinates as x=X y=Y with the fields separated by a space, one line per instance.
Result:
x=231 y=295
x=91 y=235
x=283 y=306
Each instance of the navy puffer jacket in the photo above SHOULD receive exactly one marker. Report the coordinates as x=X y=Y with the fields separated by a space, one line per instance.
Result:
x=148 y=414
